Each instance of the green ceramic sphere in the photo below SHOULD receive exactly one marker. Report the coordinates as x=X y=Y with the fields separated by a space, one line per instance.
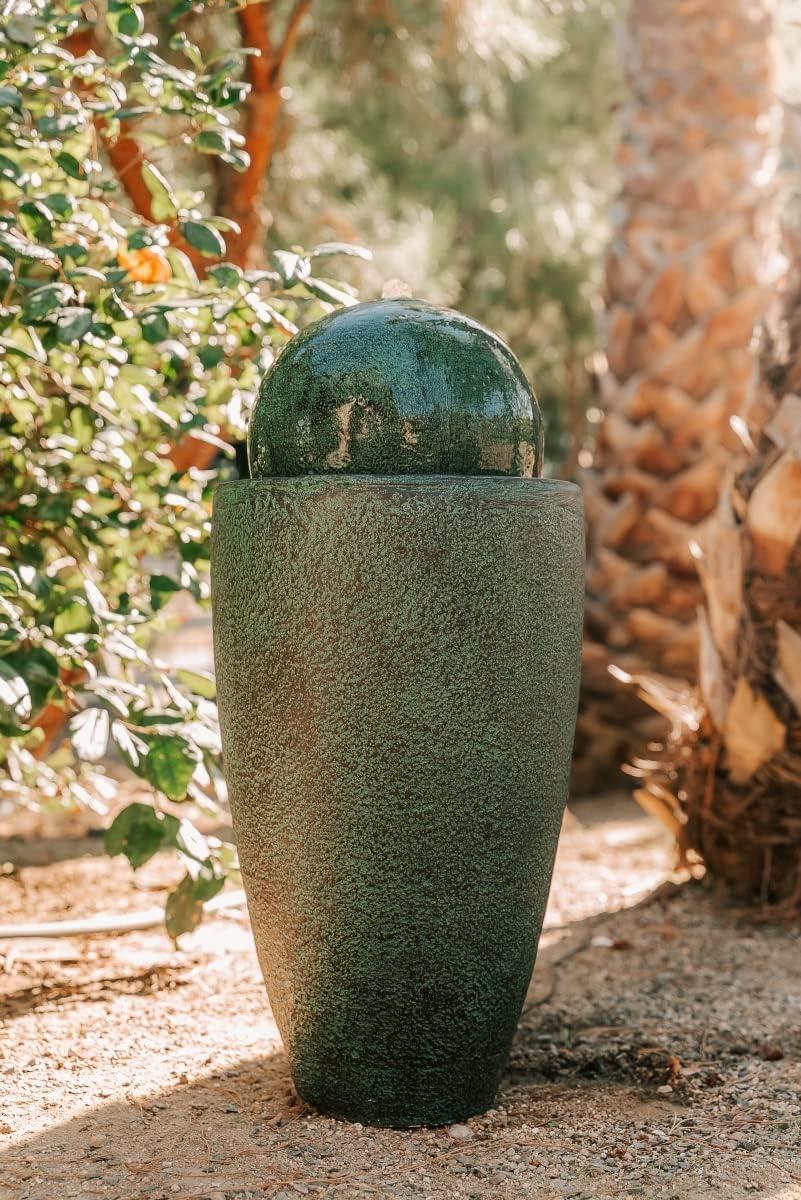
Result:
x=396 y=387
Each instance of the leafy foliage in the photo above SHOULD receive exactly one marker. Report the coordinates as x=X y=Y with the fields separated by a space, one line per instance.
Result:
x=114 y=352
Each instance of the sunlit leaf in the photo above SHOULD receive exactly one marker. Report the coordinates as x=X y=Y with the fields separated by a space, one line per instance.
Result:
x=9 y=582
x=163 y=202
x=139 y=832
x=169 y=764
x=14 y=692
x=72 y=323
x=74 y=618
x=19 y=247
x=203 y=238
x=89 y=731
x=39 y=669
x=326 y=249
x=44 y=299
x=201 y=683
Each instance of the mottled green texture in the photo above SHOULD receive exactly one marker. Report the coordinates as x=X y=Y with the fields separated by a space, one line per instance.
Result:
x=396 y=387
x=397 y=664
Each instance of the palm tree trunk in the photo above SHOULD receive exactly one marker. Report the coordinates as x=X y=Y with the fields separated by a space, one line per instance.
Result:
x=729 y=779
x=689 y=276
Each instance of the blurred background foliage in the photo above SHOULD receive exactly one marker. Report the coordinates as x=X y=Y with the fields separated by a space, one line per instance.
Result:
x=469 y=144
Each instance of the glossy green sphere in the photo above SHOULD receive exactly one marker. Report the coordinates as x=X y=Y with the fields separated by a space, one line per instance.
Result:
x=395 y=387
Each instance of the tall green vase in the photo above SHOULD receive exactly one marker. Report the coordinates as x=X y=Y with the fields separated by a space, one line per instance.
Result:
x=397 y=621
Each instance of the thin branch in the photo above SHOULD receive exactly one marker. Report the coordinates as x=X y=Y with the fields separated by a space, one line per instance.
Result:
x=292 y=30
x=263 y=107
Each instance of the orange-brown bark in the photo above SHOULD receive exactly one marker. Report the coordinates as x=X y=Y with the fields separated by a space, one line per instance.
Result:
x=263 y=109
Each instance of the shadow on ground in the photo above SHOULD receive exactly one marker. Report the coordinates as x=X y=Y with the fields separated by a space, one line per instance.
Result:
x=659 y=1056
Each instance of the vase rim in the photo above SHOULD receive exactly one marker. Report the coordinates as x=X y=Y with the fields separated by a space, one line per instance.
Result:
x=508 y=487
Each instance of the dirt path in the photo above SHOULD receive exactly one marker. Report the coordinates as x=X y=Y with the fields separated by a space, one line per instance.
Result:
x=659 y=1055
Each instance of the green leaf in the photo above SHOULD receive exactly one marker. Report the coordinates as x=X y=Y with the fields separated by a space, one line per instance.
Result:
x=202 y=683
x=133 y=114
x=164 y=205
x=9 y=582
x=10 y=98
x=144 y=720
x=8 y=168
x=54 y=127
x=59 y=203
x=205 y=239
x=70 y=165
x=327 y=291
x=74 y=618
x=34 y=352
x=161 y=587
x=348 y=248
x=155 y=328
x=208 y=882
x=183 y=911
x=14 y=693
x=212 y=142
x=45 y=299
x=77 y=251
x=169 y=764
x=130 y=22
x=139 y=832
x=116 y=307
x=21 y=247
x=227 y=275
x=211 y=355
x=39 y=669
x=72 y=323
x=238 y=159
x=83 y=424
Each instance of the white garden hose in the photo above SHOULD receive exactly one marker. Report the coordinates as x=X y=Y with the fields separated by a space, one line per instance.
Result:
x=149 y=918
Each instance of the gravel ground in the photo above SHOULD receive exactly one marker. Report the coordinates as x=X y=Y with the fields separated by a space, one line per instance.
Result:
x=658 y=1056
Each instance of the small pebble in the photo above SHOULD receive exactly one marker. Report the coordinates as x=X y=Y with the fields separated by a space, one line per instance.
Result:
x=462 y=1133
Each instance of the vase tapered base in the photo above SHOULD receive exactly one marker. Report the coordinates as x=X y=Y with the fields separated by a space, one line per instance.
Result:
x=401 y=1097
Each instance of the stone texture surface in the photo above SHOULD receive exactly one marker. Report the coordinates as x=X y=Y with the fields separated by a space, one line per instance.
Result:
x=397 y=662
x=396 y=387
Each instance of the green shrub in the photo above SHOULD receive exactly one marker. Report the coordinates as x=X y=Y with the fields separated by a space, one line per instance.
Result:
x=113 y=351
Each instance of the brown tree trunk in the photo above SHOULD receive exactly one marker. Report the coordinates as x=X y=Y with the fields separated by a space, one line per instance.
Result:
x=689 y=276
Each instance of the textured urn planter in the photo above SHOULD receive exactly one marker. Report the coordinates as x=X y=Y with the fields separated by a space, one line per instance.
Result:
x=397 y=617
